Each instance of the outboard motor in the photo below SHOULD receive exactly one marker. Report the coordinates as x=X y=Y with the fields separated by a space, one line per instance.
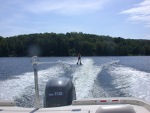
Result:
x=59 y=92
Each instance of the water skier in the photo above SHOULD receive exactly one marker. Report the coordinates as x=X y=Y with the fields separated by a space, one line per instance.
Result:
x=79 y=59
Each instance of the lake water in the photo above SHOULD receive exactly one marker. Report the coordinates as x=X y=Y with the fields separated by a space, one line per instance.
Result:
x=97 y=77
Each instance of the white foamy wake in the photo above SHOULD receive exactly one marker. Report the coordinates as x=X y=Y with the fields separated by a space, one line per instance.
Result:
x=84 y=77
x=15 y=87
x=131 y=81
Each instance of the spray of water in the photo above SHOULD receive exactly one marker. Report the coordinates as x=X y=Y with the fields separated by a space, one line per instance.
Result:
x=84 y=77
x=131 y=81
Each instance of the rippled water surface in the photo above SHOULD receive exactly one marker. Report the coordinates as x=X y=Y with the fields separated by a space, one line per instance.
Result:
x=97 y=77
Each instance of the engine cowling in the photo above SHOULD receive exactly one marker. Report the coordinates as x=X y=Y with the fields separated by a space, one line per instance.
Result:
x=59 y=92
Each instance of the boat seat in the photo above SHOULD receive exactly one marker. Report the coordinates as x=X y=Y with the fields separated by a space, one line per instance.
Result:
x=116 y=109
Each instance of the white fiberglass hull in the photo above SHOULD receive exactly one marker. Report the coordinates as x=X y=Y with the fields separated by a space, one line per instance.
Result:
x=99 y=105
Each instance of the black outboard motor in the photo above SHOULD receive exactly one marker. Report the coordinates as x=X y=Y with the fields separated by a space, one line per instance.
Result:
x=59 y=92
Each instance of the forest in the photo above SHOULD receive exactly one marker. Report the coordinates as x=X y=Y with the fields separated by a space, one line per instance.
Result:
x=70 y=44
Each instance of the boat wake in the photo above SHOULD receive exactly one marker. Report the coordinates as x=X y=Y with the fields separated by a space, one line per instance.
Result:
x=91 y=80
x=84 y=78
x=131 y=81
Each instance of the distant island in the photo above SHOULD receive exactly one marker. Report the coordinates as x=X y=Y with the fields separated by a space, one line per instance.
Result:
x=70 y=44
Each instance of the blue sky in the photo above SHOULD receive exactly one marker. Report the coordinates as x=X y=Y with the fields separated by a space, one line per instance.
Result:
x=117 y=18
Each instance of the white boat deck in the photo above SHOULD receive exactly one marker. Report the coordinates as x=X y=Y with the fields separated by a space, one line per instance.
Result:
x=101 y=105
x=77 y=109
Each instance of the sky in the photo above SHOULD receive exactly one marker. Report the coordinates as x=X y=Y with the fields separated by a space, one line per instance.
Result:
x=128 y=19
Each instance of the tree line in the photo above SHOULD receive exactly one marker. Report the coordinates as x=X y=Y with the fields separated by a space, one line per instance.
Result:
x=70 y=44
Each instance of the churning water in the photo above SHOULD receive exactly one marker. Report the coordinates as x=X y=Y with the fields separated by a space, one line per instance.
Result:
x=97 y=77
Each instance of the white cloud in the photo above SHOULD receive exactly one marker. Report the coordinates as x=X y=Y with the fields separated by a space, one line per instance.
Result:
x=65 y=6
x=139 y=13
x=23 y=16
